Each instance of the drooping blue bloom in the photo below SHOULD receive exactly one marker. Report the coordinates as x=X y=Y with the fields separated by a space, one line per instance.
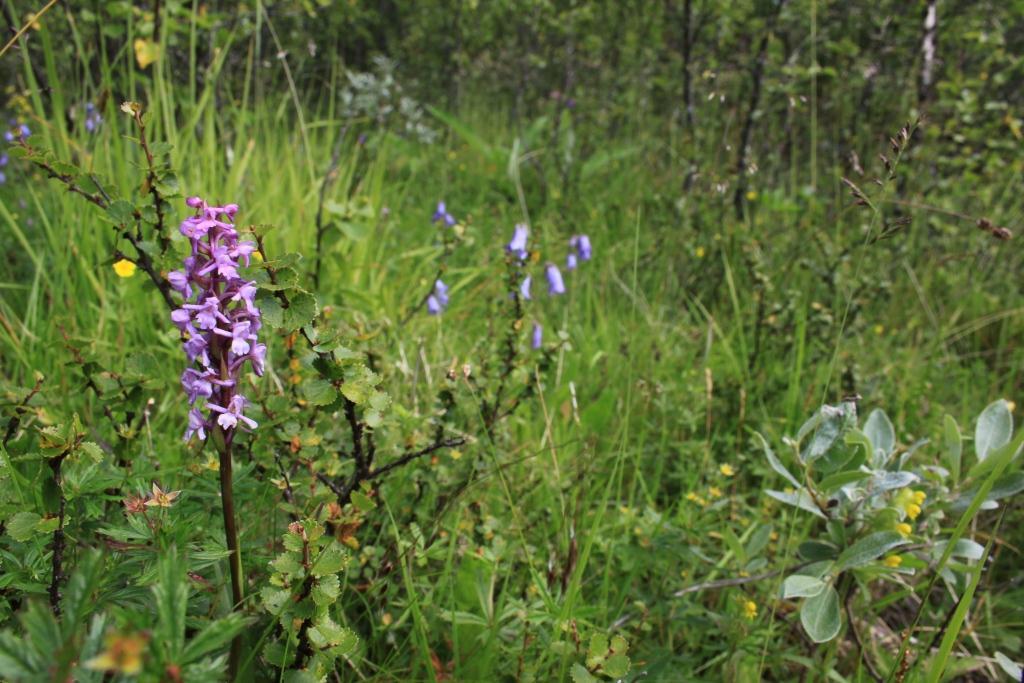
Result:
x=581 y=243
x=555 y=283
x=538 y=336
x=524 y=288
x=441 y=292
x=441 y=214
x=438 y=300
x=92 y=117
x=519 y=239
x=570 y=261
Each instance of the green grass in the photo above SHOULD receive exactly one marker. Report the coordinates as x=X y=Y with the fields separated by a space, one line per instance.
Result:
x=656 y=385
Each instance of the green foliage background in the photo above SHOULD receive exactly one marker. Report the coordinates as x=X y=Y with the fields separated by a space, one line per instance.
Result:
x=736 y=286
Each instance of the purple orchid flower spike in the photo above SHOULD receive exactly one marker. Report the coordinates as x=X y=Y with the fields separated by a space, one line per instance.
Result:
x=556 y=285
x=537 y=340
x=218 y=320
x=441 y=214
x=517 y=245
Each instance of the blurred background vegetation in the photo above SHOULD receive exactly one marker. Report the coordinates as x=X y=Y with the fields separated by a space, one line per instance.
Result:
x=738 y=280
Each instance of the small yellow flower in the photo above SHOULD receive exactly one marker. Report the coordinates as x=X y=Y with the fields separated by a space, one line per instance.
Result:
x=751 y=195
x=879 y=330
x=715 y=492
x=727 y=470
x=1011 y=406
x=123 y=654
x=904 y=529
x=257 y=256
x=160 y=498
x=386 y=619
x=893 y=561
x=699 y=252
x=919 y=497
x=913 y=510
x=694 y=498
x=124 y=268
x=455 y=454
x=749 y=610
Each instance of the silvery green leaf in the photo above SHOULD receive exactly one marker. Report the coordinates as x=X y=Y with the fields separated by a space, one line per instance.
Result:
x=801 y=499
x=774 y=462
x=993 y=429
x=887 y=481
x=828 y=431
x=1012 y=668
x=800 y=586
x=964 y=548
x=880 y=432
x=820 y=615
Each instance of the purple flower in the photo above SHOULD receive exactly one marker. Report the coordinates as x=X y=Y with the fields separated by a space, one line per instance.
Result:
x=24 y=131
x=438 y=300
x=3 y=177
x=524 y=288
x=229 y=417
x=179 y=281
x=196 y=425
x=441 y=214
x=441 y=292
x=570 y=261
x=92 y=117
x=518 y=244
x=555 y=283
x=538 y=336
x=581 y=243
x=4 y=159
x=219 y=321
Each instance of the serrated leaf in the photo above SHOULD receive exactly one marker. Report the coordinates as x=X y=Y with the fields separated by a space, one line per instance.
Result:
x=362 y=501
x=326 y=590
x=619 y=645
x=22 y=526
x=121 y=212
x=868 y=549
x=214 y=636
x=302 y=308
x=616 y=666
x=598 y=645
x=581 y=675
x=319 y=392
x=993 y=428
x=820 y=615
x=331 y=560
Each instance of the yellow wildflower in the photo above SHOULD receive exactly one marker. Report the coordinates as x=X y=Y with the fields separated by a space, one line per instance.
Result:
x=919 y=497
x=904 y=529
x=913 y=510
x=160 y=498
x=123 y=654
x=879 y=330
x=727 y=470
x=386 y=619
x=751 y=195
x=749 y=610
x=699 y=252
x=124 y=268
x=893 y=561
x=715 y=492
